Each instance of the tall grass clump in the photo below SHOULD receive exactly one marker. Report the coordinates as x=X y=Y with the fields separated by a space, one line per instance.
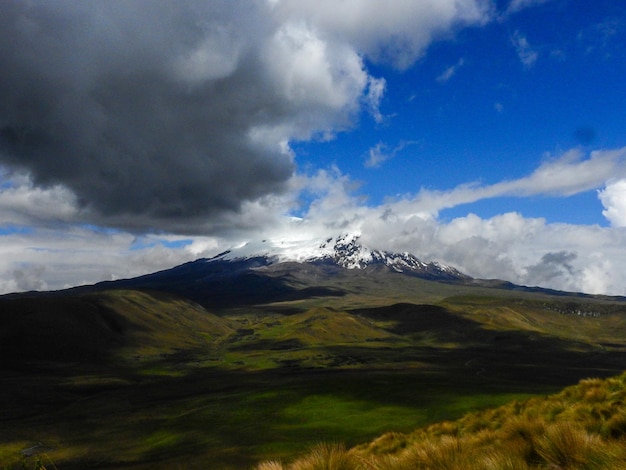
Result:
x=323 y=456
x=567 y=445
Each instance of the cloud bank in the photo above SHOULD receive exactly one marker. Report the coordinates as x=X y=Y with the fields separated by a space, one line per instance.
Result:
x=161 y=115
x=510 y=246
x=613 y=198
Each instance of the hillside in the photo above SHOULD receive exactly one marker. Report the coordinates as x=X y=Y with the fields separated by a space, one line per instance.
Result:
x=241 y=361
x=582 y=427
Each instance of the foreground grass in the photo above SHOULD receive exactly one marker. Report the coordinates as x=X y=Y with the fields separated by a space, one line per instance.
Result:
x=583 y=427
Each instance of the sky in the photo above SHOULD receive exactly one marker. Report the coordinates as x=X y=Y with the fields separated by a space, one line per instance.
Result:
x=485 y=134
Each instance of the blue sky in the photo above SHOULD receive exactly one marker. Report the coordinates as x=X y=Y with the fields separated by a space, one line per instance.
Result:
x=472 y=110
x=490 y=135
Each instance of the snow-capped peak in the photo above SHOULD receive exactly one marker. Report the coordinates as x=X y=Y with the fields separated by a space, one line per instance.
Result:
x=344 y=250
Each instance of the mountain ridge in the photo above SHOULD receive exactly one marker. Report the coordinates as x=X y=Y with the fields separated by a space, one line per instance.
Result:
x=344 y=250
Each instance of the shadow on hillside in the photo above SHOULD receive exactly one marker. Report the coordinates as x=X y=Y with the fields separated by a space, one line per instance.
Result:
x=253 y=289
x=59 y=329
x=237 y=290
x=412 y=318
x=448 y=341
x=217 y=285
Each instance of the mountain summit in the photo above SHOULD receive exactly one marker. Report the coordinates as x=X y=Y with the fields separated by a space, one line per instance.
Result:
x=269 y=271
x=345 y=251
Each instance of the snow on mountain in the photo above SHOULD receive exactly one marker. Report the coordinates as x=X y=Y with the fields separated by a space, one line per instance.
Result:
x=344 y=250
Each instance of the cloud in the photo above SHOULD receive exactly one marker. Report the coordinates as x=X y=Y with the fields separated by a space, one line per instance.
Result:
x=517 y=5
x=564 y=176
x=163 y=116
x=61 y=257
x=509 y=246
x=448 y=73
x=148 y=113
x=613 y=198
x=527 y=55
x=377 y=155
x=552 y=266
x=23 y=203
x=375 y=92
x=381 y=152
x=398 y=33
x=569 y=174
x=603 y=38
x=526 y=251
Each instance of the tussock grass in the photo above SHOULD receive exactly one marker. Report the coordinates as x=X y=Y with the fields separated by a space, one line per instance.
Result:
x=322 y=456
x=581 y=428
x=569 y=445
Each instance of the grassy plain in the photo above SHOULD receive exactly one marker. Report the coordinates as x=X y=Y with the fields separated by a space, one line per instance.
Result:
x=129 y=379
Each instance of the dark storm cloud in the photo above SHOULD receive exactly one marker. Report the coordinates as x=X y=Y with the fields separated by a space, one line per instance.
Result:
x=174 y=115
x=145 y=110
x=552 y=265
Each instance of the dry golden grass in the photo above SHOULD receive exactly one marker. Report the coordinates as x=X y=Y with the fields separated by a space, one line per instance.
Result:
x=321 y=457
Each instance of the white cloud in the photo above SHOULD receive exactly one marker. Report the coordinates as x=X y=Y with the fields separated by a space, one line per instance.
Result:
x=525 y=251
x=395 y=32
x=602 y=38
x=613 y=198
x=377 y=155
x=57 y=258
x=517 y=5
x=309 y=71
x=527 y=55
x=21 y=202
x=375 y=92
x=509 y=246
x=566 y=175
x=381 y=152
x=448 y=73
